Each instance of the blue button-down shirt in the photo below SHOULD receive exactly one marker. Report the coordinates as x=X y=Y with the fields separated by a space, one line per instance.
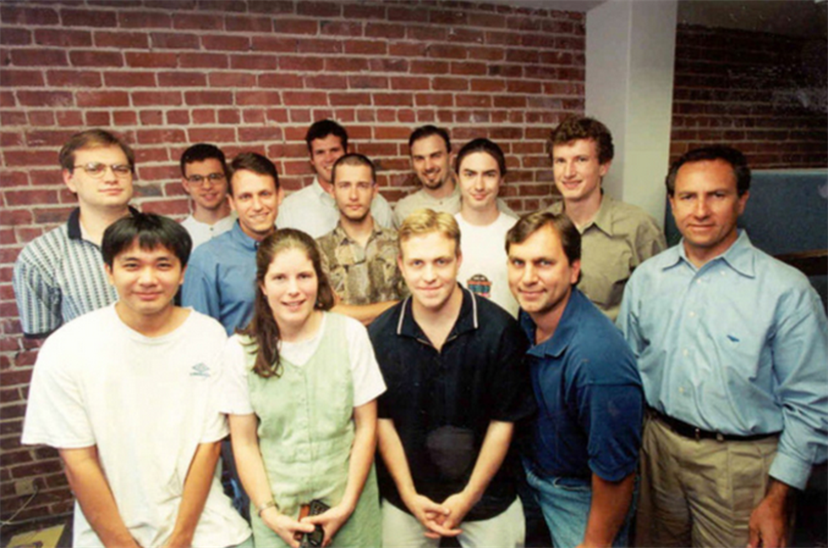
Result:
x=737 y=346
x=221 y=279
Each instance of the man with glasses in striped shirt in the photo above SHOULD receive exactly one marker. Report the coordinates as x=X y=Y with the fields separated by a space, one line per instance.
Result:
x=60 y=275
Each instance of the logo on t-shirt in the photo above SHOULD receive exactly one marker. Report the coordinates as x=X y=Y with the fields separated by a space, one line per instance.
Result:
x=480 y=285
x=200 y=370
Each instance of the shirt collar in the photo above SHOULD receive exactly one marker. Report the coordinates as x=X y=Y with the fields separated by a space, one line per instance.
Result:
x=242 y=239
x=323 y=195
x=73 y=224
x=341 y=237
x=467 y=320
x=603 y=217
x=567 y=328
x=738 y=256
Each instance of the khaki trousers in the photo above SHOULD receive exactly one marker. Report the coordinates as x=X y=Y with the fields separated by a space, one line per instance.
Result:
x=699 y=493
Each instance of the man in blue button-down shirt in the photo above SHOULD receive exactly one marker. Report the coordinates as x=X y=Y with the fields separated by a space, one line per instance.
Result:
x=731 y=346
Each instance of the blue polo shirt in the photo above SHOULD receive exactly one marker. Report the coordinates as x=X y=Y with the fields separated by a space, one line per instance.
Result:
x=589 y=395
x=221 y=279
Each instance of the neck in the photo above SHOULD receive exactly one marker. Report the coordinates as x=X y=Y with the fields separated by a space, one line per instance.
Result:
x=436 y=323
x=360 y=231
x=478 y=217
x=700 y=256
x=306 y=330
x=583 y=211
x=95 y=221
x=445 y=190
x=211 y=216
x=547 y=323
x=154 y=325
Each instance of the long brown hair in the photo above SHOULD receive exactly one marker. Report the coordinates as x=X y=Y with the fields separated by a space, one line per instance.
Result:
x=263 y=329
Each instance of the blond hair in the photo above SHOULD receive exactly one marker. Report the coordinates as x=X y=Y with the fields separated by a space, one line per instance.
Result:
x=426 y=221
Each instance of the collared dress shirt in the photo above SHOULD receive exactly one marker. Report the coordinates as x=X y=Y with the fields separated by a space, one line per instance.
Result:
x=221 y=279
x=363 y=275
x=314 y=211
x=203 y=232
x=618 y=239
x=738 y=346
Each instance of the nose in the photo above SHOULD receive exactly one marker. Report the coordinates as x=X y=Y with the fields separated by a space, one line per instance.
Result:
x=352 y=193
x=702 y=208
x=293 y=286
x=570 y=169
x=146 y=276
x=429 y=164
x=257 y=203
x=529 y=274
x=429 y=273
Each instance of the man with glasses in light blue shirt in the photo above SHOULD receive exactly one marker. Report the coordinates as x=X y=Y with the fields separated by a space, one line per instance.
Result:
x=60 y=275
x=731 y=347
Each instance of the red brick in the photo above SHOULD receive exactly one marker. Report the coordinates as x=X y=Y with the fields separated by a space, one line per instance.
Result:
x=318 y=9
x=204 y=116
x=98 y=118
x=13 y=178
x=468 y=68
x=393 y=99
x=410 y=82
x=284 y=25
x=366 y=47
x=515 y=71
x=173 y=40
x=152 y=98
x=27 y=197
x=231 y=79
x=62 y=37
x=178 y=117
x=221 y=5
x=440 y=51
x=11 y=377
x=58 y=99
x=382 y=133
x=69 y=118
x=103 y=99
x=150 y=60
x=454 y=84
x=486 y=54
x=385 y=30
x=428 y=33
x=446 y=17
x=131 y=40
x=264 y=98
x=253 y=62
x=181 y=79
x=41 y=118
x=248 y=24
x=11 y=36
x=11 y=139
x=340 y=28
x=202 y=60
x=197 y=21
x=48 y=138
x=306 y=45
x=273 y=43
x=152 y=155
x=211 y=135
x=21 y=78
x=326 y=81
x=301 y=63
x=466 y=36
x=208 y=97
x=229 y=116
x=124 y=118
x=408 y=15
x=407 y=49
x=38 y=58
x=7 y=99
x=15 y=217
x=96 y=58
x=293 y=98
x=259 y=134
x=131 y=79
x=429 y=67
x=143 y=19
x=74 y=78
x=558 y=27
x=522 y=86
x=278 y=115
x=160 y=136
x=225 y=42
x=346 y=64
x=21 y=15
x=434 y=99
x=281 y=81
x=487 y=20
x=367 y=82
x=342 y=99
x=28 y=470
x=88 y=18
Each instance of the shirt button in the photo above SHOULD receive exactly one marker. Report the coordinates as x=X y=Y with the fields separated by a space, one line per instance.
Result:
x=681 y=390
x=698 y=282
x=692 y=314
x=686 y=352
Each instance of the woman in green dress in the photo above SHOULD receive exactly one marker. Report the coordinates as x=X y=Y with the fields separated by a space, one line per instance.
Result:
x=301 y=397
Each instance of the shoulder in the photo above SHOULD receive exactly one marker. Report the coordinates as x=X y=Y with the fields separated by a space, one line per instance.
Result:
x=630 y=215
x=210 y=252
x=46 y=247
x=84 y=332
x=304 y=193
x=492 y=318
x=209 y=328
x=598 y=349
x=409 y=200
x=385 y=325
x=327 y=242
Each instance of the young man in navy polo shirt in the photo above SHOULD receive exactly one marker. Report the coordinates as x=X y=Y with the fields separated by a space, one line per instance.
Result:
x=456 y=386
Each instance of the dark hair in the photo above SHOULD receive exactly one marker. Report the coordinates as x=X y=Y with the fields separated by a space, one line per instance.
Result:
x=92 y=138
x=560 y=223
x=427 y=131
x=201 y=152
x=263 y=329
x=151 y=231
x=252 y=161
x=323 y=128
x=483 y=145
x=725 y=153
x=574 y=128
x=354 y=159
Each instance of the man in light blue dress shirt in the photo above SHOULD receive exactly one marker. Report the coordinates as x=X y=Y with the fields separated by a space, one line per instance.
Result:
x=731 y=346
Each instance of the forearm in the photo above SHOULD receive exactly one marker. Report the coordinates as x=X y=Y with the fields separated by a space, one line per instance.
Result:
x=393 y=455
x=492 y=452
x=196 y=488
x=362 y=452
x=88 y=483
x=248 y=457
x=364 y=313
x=610 y=503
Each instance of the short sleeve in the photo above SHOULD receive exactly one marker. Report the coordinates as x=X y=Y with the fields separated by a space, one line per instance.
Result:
x=365 y=371
x=38 y=296
x=199 y=290
x=56 y=415
x=235 y=396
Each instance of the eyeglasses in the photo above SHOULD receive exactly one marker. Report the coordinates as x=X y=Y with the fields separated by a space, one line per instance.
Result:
x=97 y=170
x=200 y=179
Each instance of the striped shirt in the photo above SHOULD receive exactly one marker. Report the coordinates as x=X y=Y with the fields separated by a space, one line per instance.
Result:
x=58 y=277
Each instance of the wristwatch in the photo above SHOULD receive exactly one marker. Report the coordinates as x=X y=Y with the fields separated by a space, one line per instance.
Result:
x=264 y=506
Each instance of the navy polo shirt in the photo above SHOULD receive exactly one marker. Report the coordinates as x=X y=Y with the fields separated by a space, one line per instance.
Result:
x=589 y=394
x=442 y=402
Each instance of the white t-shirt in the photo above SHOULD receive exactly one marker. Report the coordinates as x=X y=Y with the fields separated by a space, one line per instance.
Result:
x=483 y=270
x=202 y=232
x=146 y=403
x=365 y=371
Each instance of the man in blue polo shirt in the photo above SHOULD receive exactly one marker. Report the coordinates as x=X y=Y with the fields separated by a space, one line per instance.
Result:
x=583 y=449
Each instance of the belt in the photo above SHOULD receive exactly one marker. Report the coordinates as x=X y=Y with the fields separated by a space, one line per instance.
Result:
x=693 y=432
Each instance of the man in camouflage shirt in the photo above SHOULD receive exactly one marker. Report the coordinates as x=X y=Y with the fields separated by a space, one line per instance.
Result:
x=360 y=255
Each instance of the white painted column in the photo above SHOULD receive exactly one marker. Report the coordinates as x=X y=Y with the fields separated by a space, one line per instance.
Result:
x=630 y=50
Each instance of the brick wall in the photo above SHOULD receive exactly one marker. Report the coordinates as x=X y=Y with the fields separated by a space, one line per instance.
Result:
x=764 y=94
x=252 y=75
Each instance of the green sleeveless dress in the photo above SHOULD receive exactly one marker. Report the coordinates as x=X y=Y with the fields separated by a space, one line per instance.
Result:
x=306 y=431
